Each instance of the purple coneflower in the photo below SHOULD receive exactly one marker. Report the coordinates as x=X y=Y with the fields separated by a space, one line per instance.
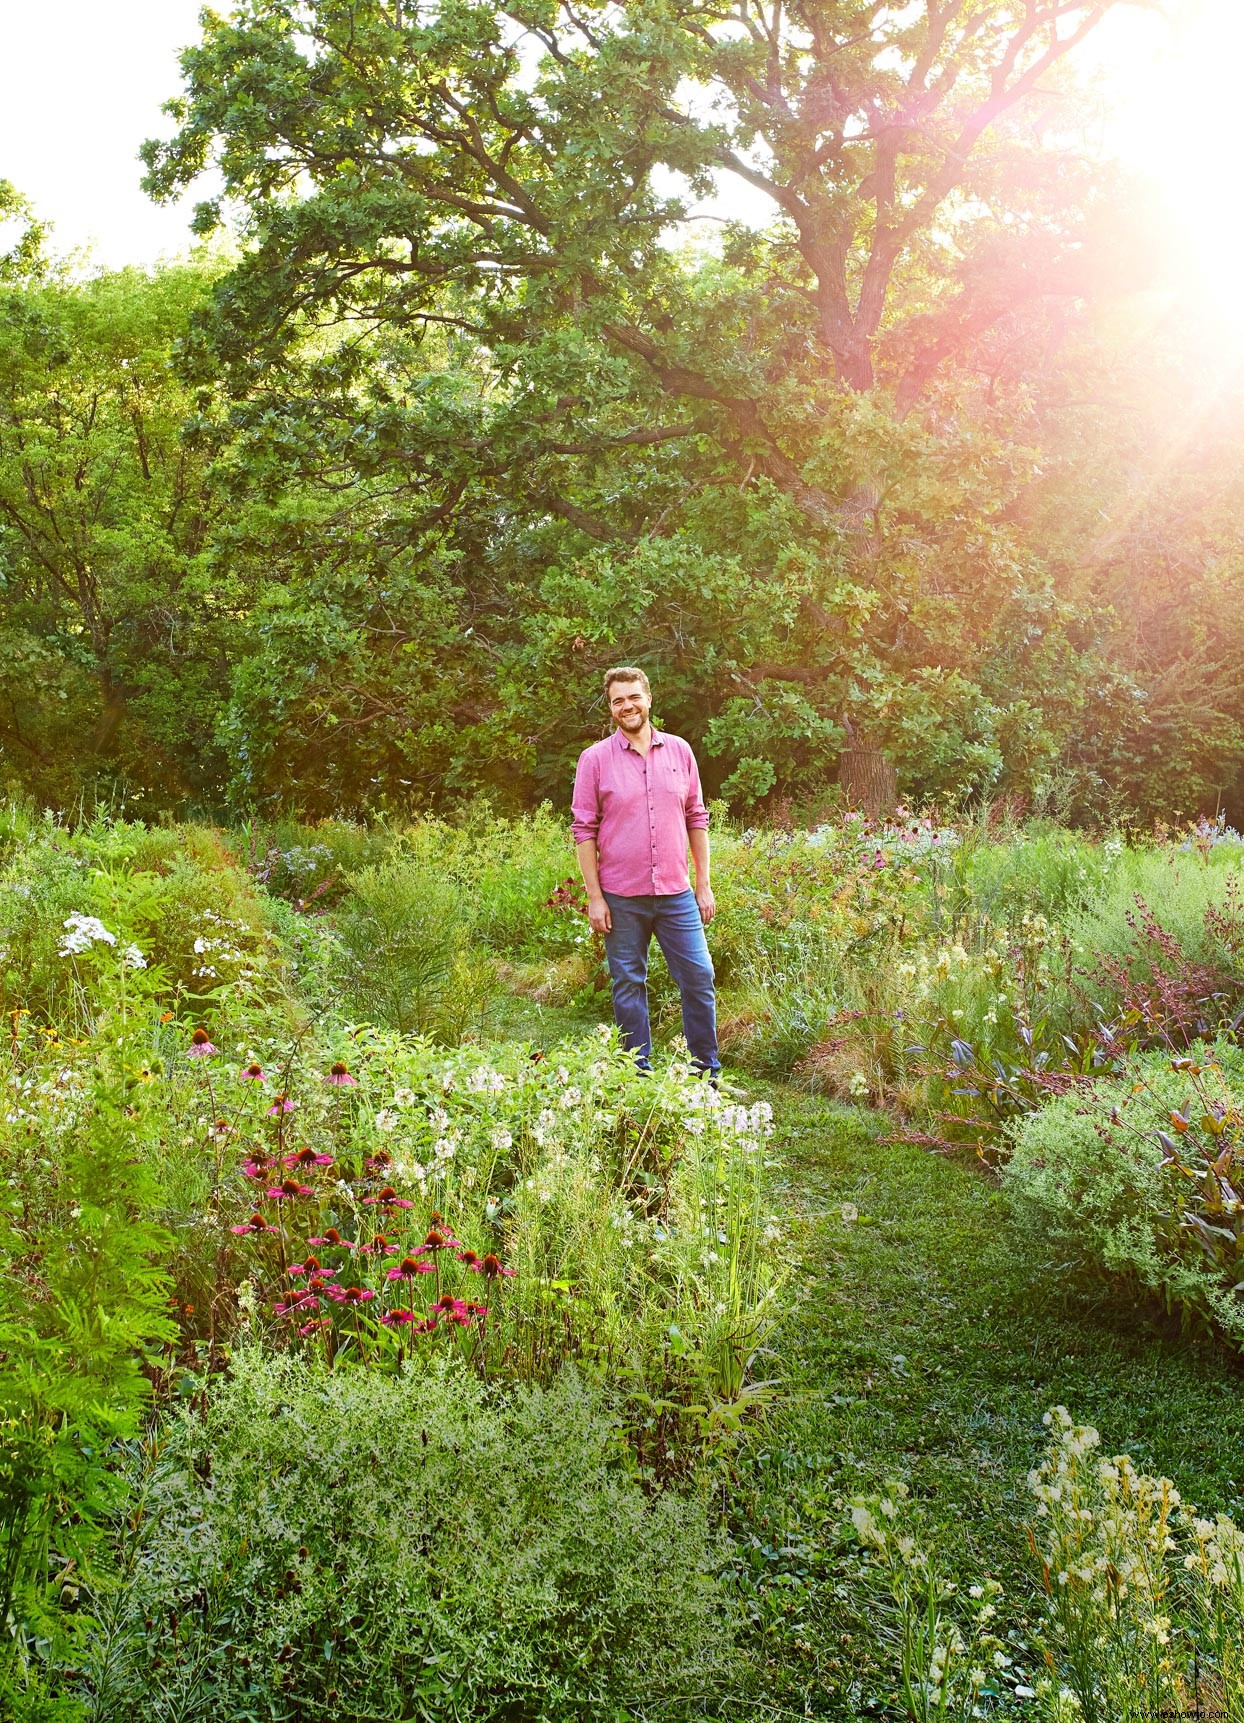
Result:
x=314 y=1326
x=438 y=1240
x=282 y=1104
x=408 y=1268
x=333 y=1237
x=380 y=1246
x=200 y=1045
x=339 y=1076
x=307 y=1158
x=470 y=1259
x=258 y=1168
x=350 y=1294
x=255 y=1224
x=290 y=1188
x=378 y=1162
x=298 y=1304
x=252 y=1074
x=311 y=1266
x=493 y=1269
x=450 y=1309
x=388 y=1198
x=408 y=1319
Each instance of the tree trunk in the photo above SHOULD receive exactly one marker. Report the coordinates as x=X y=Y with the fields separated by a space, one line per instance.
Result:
x=868 y=781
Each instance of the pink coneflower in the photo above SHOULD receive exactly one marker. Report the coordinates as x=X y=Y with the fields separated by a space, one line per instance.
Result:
x=282 y=1104
x=258 y=1168
x=470 y=1259
x=438 y=1240
x=389 y=1199
x=307 y=1158
x=298 y=1304
x=408 y=1268
x=478 y=1311
x=450 y=1309
x=378 y=1162
x=222 y=1129
x=255 y=1224
x=492 y=1268
x=311 y=1266
x=200 y=1045
x=339 y=1076
x=252 y=1074
x=350 y=1294
x=316 y=1324
x=334 y=1238
x=380 y=1246
x=408 y=1319
x=289 y=1188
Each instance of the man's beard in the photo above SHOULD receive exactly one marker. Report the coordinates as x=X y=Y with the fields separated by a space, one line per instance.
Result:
x=633 y=723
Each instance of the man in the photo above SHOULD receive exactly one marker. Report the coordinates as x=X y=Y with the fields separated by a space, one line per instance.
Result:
x=637 y=805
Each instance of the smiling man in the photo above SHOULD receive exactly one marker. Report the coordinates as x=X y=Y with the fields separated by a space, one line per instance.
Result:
x=637 y=807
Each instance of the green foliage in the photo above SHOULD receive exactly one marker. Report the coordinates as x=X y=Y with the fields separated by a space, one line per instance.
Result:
x=83 y=1299
x=175 y=893
x=1117 y=1180
x=403 y=935
x=1140 y=1594
x=111 y=633
x=407 y=1547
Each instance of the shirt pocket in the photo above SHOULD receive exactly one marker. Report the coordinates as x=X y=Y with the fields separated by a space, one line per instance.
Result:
x=676 y=781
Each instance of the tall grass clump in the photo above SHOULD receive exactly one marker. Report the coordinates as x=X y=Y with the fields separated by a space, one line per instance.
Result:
x=405 y=962
x=1189 y=893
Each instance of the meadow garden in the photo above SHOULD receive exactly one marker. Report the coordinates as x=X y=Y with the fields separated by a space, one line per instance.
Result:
x=379 y=1344
x=376 y=1342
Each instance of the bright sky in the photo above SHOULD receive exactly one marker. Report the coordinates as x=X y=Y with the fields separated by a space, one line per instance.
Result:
x=81 y=83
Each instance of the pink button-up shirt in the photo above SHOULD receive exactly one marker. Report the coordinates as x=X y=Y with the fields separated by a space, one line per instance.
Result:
x=639 y=808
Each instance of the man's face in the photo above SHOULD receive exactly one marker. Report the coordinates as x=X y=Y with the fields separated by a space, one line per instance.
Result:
x=629 y=706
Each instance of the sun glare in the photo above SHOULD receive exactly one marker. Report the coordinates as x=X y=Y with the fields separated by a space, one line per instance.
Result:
x=1172 y=84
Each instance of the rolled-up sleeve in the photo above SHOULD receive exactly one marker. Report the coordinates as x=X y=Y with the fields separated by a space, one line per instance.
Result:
x=697 y=813
x=585 y=802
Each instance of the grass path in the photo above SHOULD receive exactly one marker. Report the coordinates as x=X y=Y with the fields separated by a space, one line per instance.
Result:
x=924 y=1341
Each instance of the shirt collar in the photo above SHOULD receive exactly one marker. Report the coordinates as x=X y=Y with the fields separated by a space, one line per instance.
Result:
x=658 y=740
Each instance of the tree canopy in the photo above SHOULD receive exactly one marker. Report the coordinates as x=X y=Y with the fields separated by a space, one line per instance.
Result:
x=494 y=395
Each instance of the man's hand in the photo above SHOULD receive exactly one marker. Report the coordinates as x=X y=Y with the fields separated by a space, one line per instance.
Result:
x=707 y=902
x=598 y=914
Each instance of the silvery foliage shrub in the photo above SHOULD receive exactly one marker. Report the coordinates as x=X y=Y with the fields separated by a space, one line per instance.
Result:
x=1095 y=1187
x=351 y=1545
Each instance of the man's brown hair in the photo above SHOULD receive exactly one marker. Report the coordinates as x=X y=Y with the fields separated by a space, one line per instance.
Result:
x=626 y=673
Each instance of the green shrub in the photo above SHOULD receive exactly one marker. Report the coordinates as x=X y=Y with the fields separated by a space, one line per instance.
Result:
x=1044 y=870
x=1180 y=887
x=416 y=1547
x=405 y=959
x=82 y=1301
x=1119 y=1176
x=176 y=894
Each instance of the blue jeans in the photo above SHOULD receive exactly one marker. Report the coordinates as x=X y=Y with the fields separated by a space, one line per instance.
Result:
x=675 y=919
